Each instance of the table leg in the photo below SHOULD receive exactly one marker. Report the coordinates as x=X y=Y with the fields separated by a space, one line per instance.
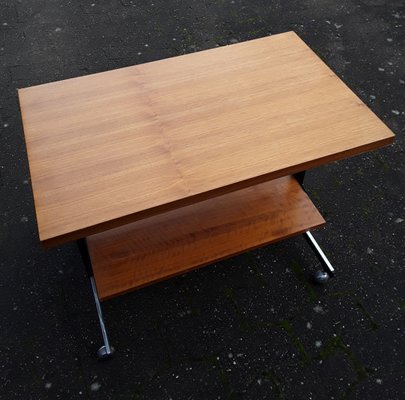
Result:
x=104 y=351
x=328 y=270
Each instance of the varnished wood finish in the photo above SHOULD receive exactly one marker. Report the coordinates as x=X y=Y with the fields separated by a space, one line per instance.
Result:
x=114 y=147
x=180 y=240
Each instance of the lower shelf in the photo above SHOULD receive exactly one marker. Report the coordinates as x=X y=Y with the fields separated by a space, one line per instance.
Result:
x=168 y=244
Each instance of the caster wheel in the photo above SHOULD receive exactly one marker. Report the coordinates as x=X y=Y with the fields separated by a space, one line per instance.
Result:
x=103 y=354
x=321 y=277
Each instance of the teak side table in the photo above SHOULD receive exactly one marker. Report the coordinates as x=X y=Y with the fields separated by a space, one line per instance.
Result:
x=159 y=168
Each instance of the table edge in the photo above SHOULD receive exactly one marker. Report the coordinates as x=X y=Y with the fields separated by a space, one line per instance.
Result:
x=126 y=219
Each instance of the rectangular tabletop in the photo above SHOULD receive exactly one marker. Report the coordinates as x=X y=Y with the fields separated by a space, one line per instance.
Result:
x=114 y=147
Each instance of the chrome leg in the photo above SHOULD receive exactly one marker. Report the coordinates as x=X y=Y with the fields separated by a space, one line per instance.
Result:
x=328 y=270
x=106 y=350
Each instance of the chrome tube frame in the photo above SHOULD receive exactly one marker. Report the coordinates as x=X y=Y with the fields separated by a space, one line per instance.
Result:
x=326 y=265
x=106 y=350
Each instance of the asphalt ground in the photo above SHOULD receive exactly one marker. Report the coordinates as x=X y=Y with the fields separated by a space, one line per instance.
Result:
x=253 y=326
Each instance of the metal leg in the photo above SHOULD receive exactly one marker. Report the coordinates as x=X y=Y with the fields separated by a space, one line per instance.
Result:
x=104 y=351
x=328 y=270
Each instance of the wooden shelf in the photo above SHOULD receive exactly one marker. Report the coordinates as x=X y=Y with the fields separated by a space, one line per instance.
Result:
x=168 y=244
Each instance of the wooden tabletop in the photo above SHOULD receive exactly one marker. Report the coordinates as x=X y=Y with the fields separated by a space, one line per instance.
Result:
x=114 y=147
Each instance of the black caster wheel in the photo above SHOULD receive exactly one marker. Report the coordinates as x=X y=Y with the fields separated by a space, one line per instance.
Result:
x=103 y=354
x=320 y=277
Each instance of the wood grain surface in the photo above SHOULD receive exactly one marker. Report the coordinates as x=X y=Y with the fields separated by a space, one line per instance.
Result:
x=180 y=240
x=118 y=146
